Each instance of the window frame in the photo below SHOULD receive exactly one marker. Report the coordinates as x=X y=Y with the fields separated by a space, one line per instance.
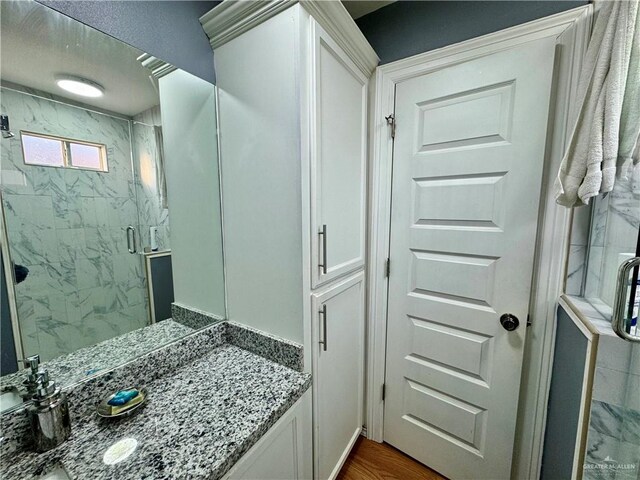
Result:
x=65 y=143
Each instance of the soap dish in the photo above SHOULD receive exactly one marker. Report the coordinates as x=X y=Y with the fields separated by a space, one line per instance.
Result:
x=109 y=411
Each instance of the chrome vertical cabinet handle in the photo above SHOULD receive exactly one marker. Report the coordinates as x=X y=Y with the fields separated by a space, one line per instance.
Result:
x=323 y=341
x=618 y=319
x=323 y=265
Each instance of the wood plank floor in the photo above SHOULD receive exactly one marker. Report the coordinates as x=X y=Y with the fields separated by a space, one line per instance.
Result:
x=379 y=461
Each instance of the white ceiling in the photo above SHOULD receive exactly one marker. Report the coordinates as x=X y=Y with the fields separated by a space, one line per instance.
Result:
x=37 y=43
x=359 y=8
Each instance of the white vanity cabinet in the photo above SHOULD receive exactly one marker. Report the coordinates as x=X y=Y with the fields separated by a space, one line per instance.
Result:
x=293 y=80
x=284 y=452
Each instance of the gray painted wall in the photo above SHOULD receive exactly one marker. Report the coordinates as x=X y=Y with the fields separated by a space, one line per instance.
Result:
x=564 y=399
x=169 y=30
x=162 y=282
x=406 y=28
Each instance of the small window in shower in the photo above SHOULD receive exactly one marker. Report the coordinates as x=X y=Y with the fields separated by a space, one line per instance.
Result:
x=84 y=155
x=50 y=151
x=42 y=151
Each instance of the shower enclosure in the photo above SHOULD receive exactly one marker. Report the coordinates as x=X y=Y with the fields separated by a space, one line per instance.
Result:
x=614 y=238
x=78 y=232
x=612 y=436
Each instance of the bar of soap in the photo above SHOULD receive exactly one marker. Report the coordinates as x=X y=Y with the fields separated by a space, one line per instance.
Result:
x=123 y=397
x=116 y=410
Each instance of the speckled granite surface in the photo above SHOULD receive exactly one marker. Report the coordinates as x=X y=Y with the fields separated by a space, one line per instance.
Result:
x=225 y=365
x=106 y=355
x=274 y=348
x=192 y=317
x=84 y=395
x=198 y=422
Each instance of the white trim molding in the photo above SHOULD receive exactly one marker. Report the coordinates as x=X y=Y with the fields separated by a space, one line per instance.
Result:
x=571 y=30
x=159 y=68
x=593 y=338
x=335 y=19
x=232 y=18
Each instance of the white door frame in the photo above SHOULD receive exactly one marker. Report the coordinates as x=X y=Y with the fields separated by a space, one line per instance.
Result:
x=571 y=30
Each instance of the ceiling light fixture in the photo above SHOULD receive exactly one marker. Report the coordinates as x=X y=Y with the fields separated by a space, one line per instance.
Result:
x=80 y=86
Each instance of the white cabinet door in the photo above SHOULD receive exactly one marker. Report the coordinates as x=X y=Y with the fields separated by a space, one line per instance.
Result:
x=284 y=452
x=338 y=357
x=338 y=160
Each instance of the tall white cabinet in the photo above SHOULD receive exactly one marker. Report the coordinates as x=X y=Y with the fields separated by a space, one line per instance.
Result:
x=338 y=372
x=338 y=106
x=293 y=81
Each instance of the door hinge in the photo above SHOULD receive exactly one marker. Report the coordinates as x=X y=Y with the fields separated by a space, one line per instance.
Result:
x=391 y=121
x=528 y=319
x=387 y=268
x=384 y=391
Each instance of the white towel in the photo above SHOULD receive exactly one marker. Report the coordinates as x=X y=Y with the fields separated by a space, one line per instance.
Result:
x=589 y=165
x=629 y=149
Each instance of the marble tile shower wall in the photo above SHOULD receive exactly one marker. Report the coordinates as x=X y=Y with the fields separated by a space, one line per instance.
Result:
x=613 y=443
x=66 y=226
x=615 y=225
x=578 y=248
x=150 y=209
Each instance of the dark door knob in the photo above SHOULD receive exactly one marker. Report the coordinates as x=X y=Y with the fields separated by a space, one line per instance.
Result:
x=509 y=322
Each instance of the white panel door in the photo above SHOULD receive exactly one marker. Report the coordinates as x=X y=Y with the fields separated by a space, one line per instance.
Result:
x=468 y=161
x=338 y=340
x=338 y=159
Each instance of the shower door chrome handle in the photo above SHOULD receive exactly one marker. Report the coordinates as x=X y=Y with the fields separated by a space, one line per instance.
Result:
x=323 y=312
x=620 y=305
x=323 y=265
x=131 y=239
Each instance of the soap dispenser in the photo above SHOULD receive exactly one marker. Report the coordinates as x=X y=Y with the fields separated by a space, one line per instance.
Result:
x=48 y=414
x=31 y=382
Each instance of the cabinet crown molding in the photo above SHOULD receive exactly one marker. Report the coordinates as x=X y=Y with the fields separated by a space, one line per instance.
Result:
x=232 y=18
x=159 y=68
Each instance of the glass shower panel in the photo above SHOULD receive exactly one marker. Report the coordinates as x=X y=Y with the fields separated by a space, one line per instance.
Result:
x=150 y=185
x=614 y=238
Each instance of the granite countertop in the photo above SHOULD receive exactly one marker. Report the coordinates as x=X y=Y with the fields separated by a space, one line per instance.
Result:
x=198 y=421
x=105 y=355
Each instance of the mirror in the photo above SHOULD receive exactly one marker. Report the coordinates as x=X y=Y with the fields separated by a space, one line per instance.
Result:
x=110 y=197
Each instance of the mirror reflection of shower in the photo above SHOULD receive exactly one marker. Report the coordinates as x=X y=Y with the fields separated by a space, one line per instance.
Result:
x=74 y=177
x=5 y=128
